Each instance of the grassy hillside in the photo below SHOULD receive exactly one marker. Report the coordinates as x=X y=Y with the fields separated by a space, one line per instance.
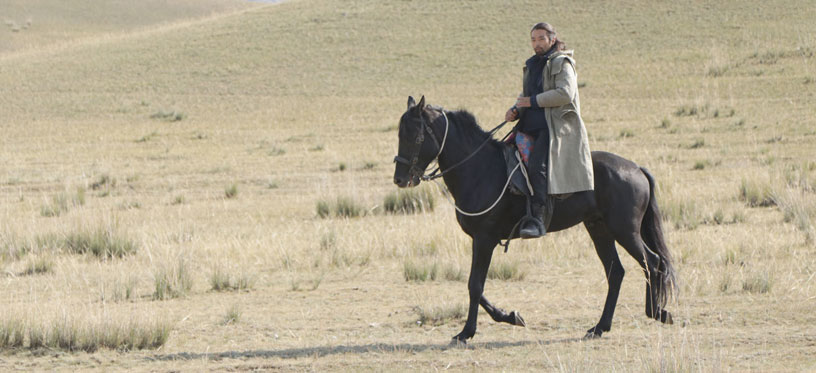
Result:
x=210 y=143
x=33 y=24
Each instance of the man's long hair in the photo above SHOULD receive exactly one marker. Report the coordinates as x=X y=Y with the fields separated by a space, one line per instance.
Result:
x=559 y=45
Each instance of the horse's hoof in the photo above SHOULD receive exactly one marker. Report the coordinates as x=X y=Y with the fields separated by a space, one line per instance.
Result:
x=517 y=319
x=593 y=333
x=666 y=318
x=456 y=342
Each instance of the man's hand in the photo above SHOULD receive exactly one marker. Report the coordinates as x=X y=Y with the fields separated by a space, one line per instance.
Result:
x=523 y=102
x=511 y=115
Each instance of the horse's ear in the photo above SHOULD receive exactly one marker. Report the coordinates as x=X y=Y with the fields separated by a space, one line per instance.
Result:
x=422 y=103
x=411 y=102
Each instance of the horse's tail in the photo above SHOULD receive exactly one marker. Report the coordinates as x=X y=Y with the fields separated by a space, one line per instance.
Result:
x=651 y=231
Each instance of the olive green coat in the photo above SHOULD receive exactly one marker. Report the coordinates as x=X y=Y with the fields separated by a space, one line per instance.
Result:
x=570 y=162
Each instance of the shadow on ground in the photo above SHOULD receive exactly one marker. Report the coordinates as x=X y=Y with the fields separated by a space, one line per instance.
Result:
x=294 y=353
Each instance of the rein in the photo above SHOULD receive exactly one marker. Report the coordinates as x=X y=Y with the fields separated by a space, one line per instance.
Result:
x=435 y=175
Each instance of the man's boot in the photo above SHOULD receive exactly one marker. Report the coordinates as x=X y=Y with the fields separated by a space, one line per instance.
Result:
x=534 y=226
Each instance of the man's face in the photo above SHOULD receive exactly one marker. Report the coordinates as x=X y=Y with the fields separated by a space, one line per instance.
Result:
x=541 y=41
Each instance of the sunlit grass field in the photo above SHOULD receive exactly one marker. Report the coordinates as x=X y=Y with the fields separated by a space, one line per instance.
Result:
x=206 y=185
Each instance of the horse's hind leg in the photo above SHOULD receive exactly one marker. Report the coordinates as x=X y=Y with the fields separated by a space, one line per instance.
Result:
x=649 y=261
x=605 y=247
x=499 y=315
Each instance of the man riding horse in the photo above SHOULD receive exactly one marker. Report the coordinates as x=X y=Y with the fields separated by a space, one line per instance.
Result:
x=549 y=111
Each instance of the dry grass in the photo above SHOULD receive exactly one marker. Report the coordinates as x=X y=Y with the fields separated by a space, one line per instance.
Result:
x=73 y=334
x=296 y=104
x=441 y=314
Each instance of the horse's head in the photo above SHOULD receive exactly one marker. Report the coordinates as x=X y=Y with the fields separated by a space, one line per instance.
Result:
x=415 y=153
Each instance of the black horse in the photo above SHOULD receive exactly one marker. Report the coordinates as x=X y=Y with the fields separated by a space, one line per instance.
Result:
x=622 y=208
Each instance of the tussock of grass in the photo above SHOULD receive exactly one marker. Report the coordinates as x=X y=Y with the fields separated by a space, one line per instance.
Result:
x=223 y=281
x=123 y=289
x=147 y=137
x=453 y=273
x=684 y=213
x=343 y=259
x=62 y=202
x=699 y=143
x=102 y=243
x=173 y=281
x=71 y=334
x=717 y=71
x=313 y=282
x=419 y=272
x=799 y=208
x=12 y=332
x=104 y=182
x=802 y=177
x=130 y=205
x=323 y=209
x=347 y=207
x=686 y=111
x=506 y=271
x=704 y=111
x=231 y=191
x=415 y=271
x=758 y=283
x=755 y=194
x=726 y=283
x=440 y=315
x=343 y=207
x=328 y=241
x=409 y=201
x=232 y=316
x=168 y=116
x=37 y=266
x=12 y=248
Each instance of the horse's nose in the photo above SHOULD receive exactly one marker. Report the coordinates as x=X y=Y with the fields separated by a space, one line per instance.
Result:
x=401 y=182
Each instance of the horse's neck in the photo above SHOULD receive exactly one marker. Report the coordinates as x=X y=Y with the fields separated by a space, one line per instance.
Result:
x=469 y=177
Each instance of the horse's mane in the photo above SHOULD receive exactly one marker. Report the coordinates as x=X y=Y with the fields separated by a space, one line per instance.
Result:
x=471 y=132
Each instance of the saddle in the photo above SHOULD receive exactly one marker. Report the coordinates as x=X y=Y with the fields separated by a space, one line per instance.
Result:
x=516 y=154
x=516 y=171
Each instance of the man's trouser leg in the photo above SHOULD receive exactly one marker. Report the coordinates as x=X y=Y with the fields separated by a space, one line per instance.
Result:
x=540 y=201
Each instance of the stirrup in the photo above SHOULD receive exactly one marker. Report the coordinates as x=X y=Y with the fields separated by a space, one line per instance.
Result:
x=537 y=224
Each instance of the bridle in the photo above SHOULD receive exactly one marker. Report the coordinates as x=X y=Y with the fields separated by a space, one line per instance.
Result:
x=413 y=170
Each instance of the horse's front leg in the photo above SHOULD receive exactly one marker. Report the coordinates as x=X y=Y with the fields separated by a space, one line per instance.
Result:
x=499 y=315
x=482 y=253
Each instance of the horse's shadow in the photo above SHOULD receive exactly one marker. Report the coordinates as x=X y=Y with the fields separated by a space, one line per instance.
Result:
x=294 y=353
